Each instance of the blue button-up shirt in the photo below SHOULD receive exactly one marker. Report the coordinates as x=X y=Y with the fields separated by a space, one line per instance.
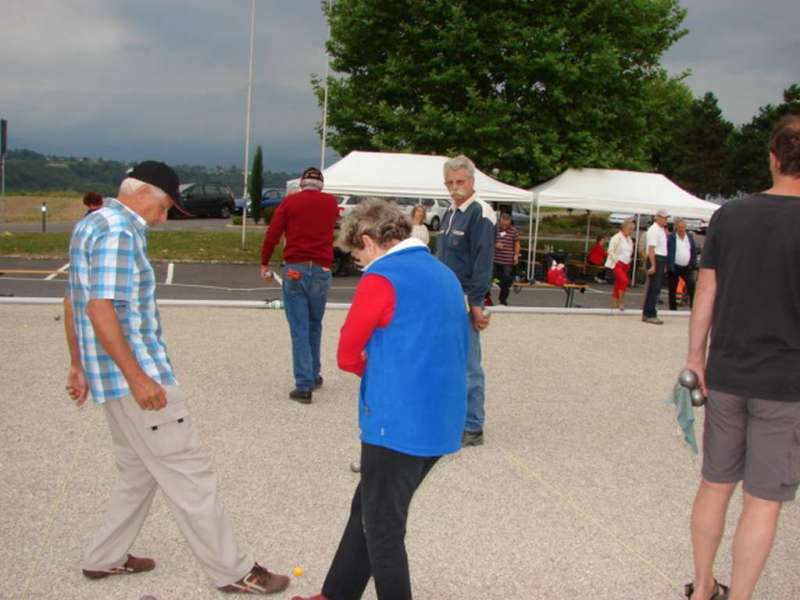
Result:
x=108 y=260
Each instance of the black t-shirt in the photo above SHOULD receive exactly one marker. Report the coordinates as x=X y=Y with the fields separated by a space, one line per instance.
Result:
x=753 y=244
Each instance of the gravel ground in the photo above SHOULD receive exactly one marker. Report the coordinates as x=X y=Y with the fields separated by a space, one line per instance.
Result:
x=583 y=489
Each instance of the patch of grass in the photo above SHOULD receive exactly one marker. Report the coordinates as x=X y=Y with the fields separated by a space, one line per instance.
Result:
x=28 y=208
x=200 y=246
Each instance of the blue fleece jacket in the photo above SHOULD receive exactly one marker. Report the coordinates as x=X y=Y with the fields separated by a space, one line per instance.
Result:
x=414 y=388
x=466 y=245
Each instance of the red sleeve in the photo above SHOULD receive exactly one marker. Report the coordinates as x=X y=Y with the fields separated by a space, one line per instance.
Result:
x=273 y=233
x=372 y=307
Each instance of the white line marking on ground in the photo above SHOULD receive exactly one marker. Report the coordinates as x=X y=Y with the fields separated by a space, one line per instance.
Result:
x=55 y=274
x=170 y=273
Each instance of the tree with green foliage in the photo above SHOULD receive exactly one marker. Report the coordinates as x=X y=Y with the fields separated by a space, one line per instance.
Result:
x=748 y=166
x=696 y=152
x=256 y=185
x=530 y=88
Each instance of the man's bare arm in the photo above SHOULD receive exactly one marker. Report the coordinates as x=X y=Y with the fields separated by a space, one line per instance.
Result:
x=700 y=323
x=149 y=394
x=76 y=379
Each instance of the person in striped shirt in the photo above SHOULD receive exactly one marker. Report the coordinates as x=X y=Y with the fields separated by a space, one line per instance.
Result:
x=506 y=254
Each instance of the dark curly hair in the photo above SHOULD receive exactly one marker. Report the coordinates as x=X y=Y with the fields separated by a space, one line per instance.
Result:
x=784 y=143
x=92 y=199
x=381 y=220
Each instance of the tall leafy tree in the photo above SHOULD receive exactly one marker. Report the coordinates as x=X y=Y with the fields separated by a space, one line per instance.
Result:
x=530 y=87
x=748 y=167
x=696 y=151
x=256 y=185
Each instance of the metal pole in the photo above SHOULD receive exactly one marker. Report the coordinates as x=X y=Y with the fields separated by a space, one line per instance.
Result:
x=44 y=216
x=636 y=253
x=588 y=229
x=247 y=120
x=3 y=187
x=532 y=263
x=325 y=97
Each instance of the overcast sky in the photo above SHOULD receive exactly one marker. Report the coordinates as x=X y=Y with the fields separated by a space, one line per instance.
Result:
x=167 y=79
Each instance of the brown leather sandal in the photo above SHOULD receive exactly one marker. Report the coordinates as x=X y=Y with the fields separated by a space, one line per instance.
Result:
x=720 y=591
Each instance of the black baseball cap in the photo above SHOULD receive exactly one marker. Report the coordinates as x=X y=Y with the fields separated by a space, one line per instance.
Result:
x=162 y=176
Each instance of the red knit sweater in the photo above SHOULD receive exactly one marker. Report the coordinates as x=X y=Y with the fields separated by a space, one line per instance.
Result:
x=307 y=218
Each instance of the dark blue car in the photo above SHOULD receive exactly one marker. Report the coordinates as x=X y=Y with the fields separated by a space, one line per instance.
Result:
x=270 y=198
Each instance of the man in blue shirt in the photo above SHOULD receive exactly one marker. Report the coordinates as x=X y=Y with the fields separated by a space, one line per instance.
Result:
x=466 y=245
x=118 y=355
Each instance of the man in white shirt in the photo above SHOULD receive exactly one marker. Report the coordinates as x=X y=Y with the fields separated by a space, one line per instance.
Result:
x=681 y=262
x=656 y=265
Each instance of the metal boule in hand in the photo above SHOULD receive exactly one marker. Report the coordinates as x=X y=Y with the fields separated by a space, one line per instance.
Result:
x=697 y=396
x=688 y=379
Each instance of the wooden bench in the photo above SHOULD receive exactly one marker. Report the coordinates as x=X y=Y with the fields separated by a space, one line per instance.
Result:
x=569 y=289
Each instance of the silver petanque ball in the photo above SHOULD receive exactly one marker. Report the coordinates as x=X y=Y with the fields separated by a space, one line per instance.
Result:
x=688 y=379
x=698 y=399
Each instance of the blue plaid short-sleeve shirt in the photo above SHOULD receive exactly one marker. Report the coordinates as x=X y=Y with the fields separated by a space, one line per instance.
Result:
x=108 y=260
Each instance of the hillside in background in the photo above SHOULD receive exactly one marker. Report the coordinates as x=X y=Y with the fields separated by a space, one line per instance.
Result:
x=30 y=172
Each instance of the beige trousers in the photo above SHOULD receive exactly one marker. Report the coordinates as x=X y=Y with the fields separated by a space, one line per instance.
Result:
x=161 y=449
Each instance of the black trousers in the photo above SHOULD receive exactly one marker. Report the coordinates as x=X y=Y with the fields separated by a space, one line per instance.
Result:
x=505 y=273
x=654 y=283
x=687 y=275
x=373 y=542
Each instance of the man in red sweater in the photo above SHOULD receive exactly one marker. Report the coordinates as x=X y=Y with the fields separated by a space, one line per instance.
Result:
x=307 y=219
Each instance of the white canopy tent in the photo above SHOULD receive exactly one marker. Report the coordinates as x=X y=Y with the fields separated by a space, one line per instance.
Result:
x=611 y=190
x=388 y=174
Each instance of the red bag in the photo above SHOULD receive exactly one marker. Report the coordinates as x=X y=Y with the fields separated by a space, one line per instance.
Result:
x=557 y=275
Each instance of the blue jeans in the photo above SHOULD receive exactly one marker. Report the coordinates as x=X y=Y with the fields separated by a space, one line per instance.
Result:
x=304 y=300
x=476 y=383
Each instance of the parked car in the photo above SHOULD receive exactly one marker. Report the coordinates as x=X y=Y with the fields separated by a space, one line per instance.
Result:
x=270 y=198
x=347 y=204
x=205 y=200
x=434 y=209
x=696 y=225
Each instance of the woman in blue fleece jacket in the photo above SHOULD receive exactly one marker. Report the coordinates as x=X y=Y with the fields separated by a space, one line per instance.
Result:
x=406 y=336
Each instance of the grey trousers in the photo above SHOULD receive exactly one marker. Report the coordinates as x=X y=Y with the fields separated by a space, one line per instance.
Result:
x=171 y=458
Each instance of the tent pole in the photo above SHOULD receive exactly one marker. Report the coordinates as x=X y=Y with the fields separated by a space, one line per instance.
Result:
x=532 y=249
x=588 y=229
x=636 y=252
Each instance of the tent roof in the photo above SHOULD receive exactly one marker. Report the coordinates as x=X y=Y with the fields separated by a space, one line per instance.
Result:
x=621 y=191
x=388 y=174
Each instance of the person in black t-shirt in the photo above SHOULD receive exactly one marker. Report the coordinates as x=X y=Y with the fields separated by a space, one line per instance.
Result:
x=748 y=297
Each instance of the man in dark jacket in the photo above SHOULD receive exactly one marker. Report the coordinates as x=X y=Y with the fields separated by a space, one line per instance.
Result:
x=466 y=245
x=681 y=262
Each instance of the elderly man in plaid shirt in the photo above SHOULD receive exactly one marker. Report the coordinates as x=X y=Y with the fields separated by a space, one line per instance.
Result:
x=118 y=355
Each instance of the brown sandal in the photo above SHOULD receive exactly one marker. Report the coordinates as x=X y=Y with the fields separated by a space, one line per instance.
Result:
x=720 y=591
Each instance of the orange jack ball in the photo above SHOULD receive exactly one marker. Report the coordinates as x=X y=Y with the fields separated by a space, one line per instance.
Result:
x=298 y=571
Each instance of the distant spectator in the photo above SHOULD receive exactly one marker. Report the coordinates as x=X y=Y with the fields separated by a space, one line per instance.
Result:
x=656 y=266
x=681 y=262
x=597 y=257
x=93 y=201
x=418 y=229
x=620 y=253
x=506 y=255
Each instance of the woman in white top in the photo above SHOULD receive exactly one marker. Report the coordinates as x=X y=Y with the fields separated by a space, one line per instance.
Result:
x=620 y=252
x=419 y=230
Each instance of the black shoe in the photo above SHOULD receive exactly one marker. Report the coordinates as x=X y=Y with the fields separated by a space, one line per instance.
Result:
x=504 y=302
x=301 y=396
x=472 y=438
x=318 y=382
